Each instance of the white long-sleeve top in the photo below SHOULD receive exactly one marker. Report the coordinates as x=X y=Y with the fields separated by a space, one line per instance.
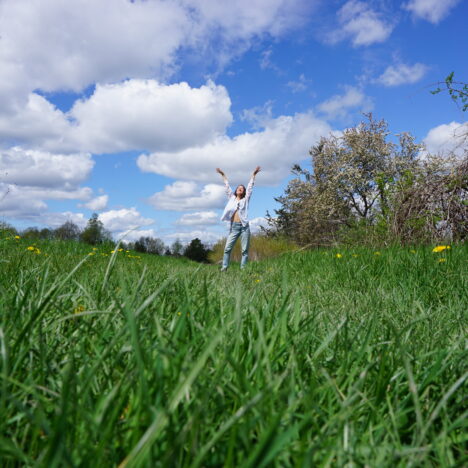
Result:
x=234 y=204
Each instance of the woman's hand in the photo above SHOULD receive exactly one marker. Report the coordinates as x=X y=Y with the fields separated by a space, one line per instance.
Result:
x=257 y=170
x=219 y=171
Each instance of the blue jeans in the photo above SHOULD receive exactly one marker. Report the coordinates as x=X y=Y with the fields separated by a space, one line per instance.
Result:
x=237 y=230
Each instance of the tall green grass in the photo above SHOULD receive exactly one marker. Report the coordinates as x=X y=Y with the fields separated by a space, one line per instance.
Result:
x=309 y=359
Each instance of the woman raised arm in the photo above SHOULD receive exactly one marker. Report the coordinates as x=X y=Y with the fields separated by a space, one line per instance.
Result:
x=226 y=182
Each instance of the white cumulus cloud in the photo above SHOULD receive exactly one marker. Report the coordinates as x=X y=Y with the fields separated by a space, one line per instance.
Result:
x=448 y=138
x=186 y=196
x=123 y=220
x=97 y=204
x=401 y=73
x=146 y=115
x=339 y=105
x=199 y=218
x=361 y=24
x=433 y=11
x=283 y=142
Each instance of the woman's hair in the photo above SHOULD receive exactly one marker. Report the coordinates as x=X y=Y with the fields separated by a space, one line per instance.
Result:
x=243 y=195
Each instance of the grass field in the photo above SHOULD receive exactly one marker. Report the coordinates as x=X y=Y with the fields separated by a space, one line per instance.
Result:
x=319 y=358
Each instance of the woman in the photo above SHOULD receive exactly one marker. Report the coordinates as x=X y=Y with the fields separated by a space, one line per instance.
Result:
x=236 y=212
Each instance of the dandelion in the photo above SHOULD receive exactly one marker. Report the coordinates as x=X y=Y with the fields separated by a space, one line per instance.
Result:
x=17 y=237
x=338 y=255
x=377 y=253
x=79 y=309
x=37 y=251
x=94 y=248
x=112 y=251
x=179 y=313
x=440 y=248
x=257 y=280
x=120 y=250
x=412 y=251
x=92 y=253
x=441 y=260
x=127 y=251
x=31 y=248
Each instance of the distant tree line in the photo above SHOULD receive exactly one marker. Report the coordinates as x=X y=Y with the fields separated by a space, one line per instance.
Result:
x=95 y=234
x=366 y=188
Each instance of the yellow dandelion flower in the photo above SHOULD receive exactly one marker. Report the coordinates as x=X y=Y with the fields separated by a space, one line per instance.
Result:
x=412 y=251
x=31 y=248
x=127 y=251
x=338 y=255
x=17 y=237
x=257 y=280
x=441 y=260
x=92 y=253
x=79 y=309
x=37 y=251
x=179 y=313
x=112 y=251
x=441 y=248
x=120 y=250
x=94 y=248
x=377 y=253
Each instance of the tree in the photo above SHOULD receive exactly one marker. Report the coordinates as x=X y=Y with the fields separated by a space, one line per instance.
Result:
x=7 y=229
x=67 y=231
x=94 y=233
x=457 y=90
x=150 y=245
x=196 y=251
x=177 y=248
x=356 y=187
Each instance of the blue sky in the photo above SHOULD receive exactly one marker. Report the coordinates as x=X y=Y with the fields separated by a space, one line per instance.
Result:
x=126 y=108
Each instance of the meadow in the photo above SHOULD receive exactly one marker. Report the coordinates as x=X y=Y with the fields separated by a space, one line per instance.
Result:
x=326 y=357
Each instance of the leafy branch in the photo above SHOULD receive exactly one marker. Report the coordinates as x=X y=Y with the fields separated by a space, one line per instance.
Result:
x=457 y=89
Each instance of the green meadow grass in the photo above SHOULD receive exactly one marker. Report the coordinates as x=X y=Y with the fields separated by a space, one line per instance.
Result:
x=305 y=360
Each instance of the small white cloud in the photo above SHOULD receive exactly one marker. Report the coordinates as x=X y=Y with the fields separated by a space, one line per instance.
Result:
x=298 y=86
x=199 y=218
x=339 y=105
x=185 y=196
x=449 y=138
x=361 y=24
x=400 y=74
x=433 y=11
x=97 y=204
x=118 y=221
x=257 y=223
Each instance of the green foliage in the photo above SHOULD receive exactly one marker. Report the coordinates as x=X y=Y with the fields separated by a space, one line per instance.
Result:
x=308 y=359
x=196 y=251
x=366 y=189
x=94 y=233
x=457 y=90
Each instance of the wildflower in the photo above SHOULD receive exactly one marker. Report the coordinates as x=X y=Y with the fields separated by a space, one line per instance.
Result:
x=94 y=248
x=257 y=280
x=79 y=309
x=412 y=251
x=17 y=237
x=441 y=248
x=92 y=253
x=127 y=251
x=179 y=313
x=37 y=251
x=377 y=253
x=338 y=255
x=112 y=251
x=441 y=260
x=31 y=248
x=120 y=250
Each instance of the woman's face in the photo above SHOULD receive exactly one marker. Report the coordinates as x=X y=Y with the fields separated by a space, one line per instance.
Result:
x=240 y=190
